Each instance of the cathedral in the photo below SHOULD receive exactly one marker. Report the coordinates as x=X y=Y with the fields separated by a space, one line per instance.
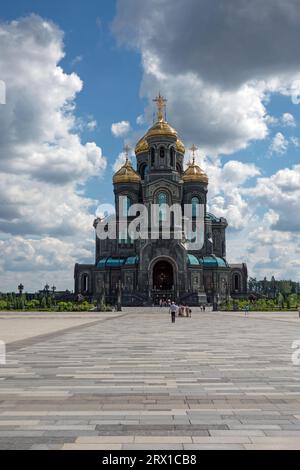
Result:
x=145 y=271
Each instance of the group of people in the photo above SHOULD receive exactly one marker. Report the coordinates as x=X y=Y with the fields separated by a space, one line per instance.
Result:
x=180 y=310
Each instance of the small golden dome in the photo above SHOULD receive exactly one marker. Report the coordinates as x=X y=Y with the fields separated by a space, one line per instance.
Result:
x=126 y=174
x=194 y=173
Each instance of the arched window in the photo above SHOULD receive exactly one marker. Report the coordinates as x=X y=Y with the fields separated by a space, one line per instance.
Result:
x=123 y=236
x=144 y=170
x=172 y=155
x=85 y=283
x=236 y=282
x=162 y=152
x=162 y=199
x=152 y=156
x=126 y=203
x=195 y=207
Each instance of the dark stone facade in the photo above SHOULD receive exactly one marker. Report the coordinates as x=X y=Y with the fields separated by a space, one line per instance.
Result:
x=144 y=271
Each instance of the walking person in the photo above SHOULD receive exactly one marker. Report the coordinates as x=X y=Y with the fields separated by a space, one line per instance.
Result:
x=246 y=310
x=188 y=311
x=298 y=310
x=173 y=310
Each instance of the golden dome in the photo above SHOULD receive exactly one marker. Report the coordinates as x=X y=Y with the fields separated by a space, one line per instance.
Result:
x=126 y=174
x=160 y=128
x=194 y=173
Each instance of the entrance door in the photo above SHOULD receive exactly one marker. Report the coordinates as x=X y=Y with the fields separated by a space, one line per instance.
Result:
x=163 y=276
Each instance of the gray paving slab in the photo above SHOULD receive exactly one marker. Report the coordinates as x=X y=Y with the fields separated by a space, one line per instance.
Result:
x=215 y=380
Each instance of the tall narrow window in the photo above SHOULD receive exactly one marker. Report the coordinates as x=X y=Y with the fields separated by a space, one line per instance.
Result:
x=152 y=156
x=85 y=283
x=123 y=236
x=178 y=168
x=126 y=203
x=162 y=200
x=144 y=170
x=236 y=282
x=195 y=207
x=162 y=152
x=172 y=153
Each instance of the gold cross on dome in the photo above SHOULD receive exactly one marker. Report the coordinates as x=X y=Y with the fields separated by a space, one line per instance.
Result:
x=193 y=149
x=126 y=150
x=161 y=104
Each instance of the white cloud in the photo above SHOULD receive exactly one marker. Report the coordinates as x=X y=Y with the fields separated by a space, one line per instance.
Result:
x=281 y=194
x=288 y=120
x=238 y=173
x=279 y=144
x=92 y=124
x=76 y=60
x=140 y=120
x=219 y=70
x=219 y=104
x=265 y=249
x=120 y=129
x=295 y=141
x=226 y=195
x=224 y=43
x=120 y=160
x=42 y=158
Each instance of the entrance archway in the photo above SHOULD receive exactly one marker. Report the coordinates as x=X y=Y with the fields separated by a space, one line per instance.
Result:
x=163 y=276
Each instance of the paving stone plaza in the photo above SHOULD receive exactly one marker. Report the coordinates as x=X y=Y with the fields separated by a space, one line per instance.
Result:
x=133 y=380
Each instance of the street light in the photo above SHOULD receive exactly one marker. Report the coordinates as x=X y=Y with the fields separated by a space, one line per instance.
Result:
x=20 y=288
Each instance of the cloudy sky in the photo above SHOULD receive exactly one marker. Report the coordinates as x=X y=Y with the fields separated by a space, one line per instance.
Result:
x=80 y=78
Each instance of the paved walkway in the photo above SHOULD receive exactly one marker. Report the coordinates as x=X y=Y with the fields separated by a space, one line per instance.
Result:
x=136 y=381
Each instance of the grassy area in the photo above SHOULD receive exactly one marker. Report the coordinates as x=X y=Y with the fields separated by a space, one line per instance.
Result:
x=262 y=305
x=46 y=304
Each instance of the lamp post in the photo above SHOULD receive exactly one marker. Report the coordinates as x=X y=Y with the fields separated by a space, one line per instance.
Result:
x=20 y=288
x=215 y=295
x=119 y=296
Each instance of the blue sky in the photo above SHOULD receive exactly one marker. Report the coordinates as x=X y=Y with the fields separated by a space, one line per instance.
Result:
x=111 y=74
x=241 y=110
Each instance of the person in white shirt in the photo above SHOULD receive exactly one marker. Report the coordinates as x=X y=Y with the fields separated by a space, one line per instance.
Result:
x=173 y=311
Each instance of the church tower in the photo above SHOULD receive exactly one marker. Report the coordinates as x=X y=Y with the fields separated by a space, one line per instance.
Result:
x=153 y=268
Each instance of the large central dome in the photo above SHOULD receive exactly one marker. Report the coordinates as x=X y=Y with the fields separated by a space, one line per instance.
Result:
x=160 y=128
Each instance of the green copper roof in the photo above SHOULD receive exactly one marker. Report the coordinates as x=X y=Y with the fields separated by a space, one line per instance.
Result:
x=212 y=217
x=207 y=261
x=214 y=262
x=101 y=263
x=117 y=262
x=132 y=260
x=193 y=259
